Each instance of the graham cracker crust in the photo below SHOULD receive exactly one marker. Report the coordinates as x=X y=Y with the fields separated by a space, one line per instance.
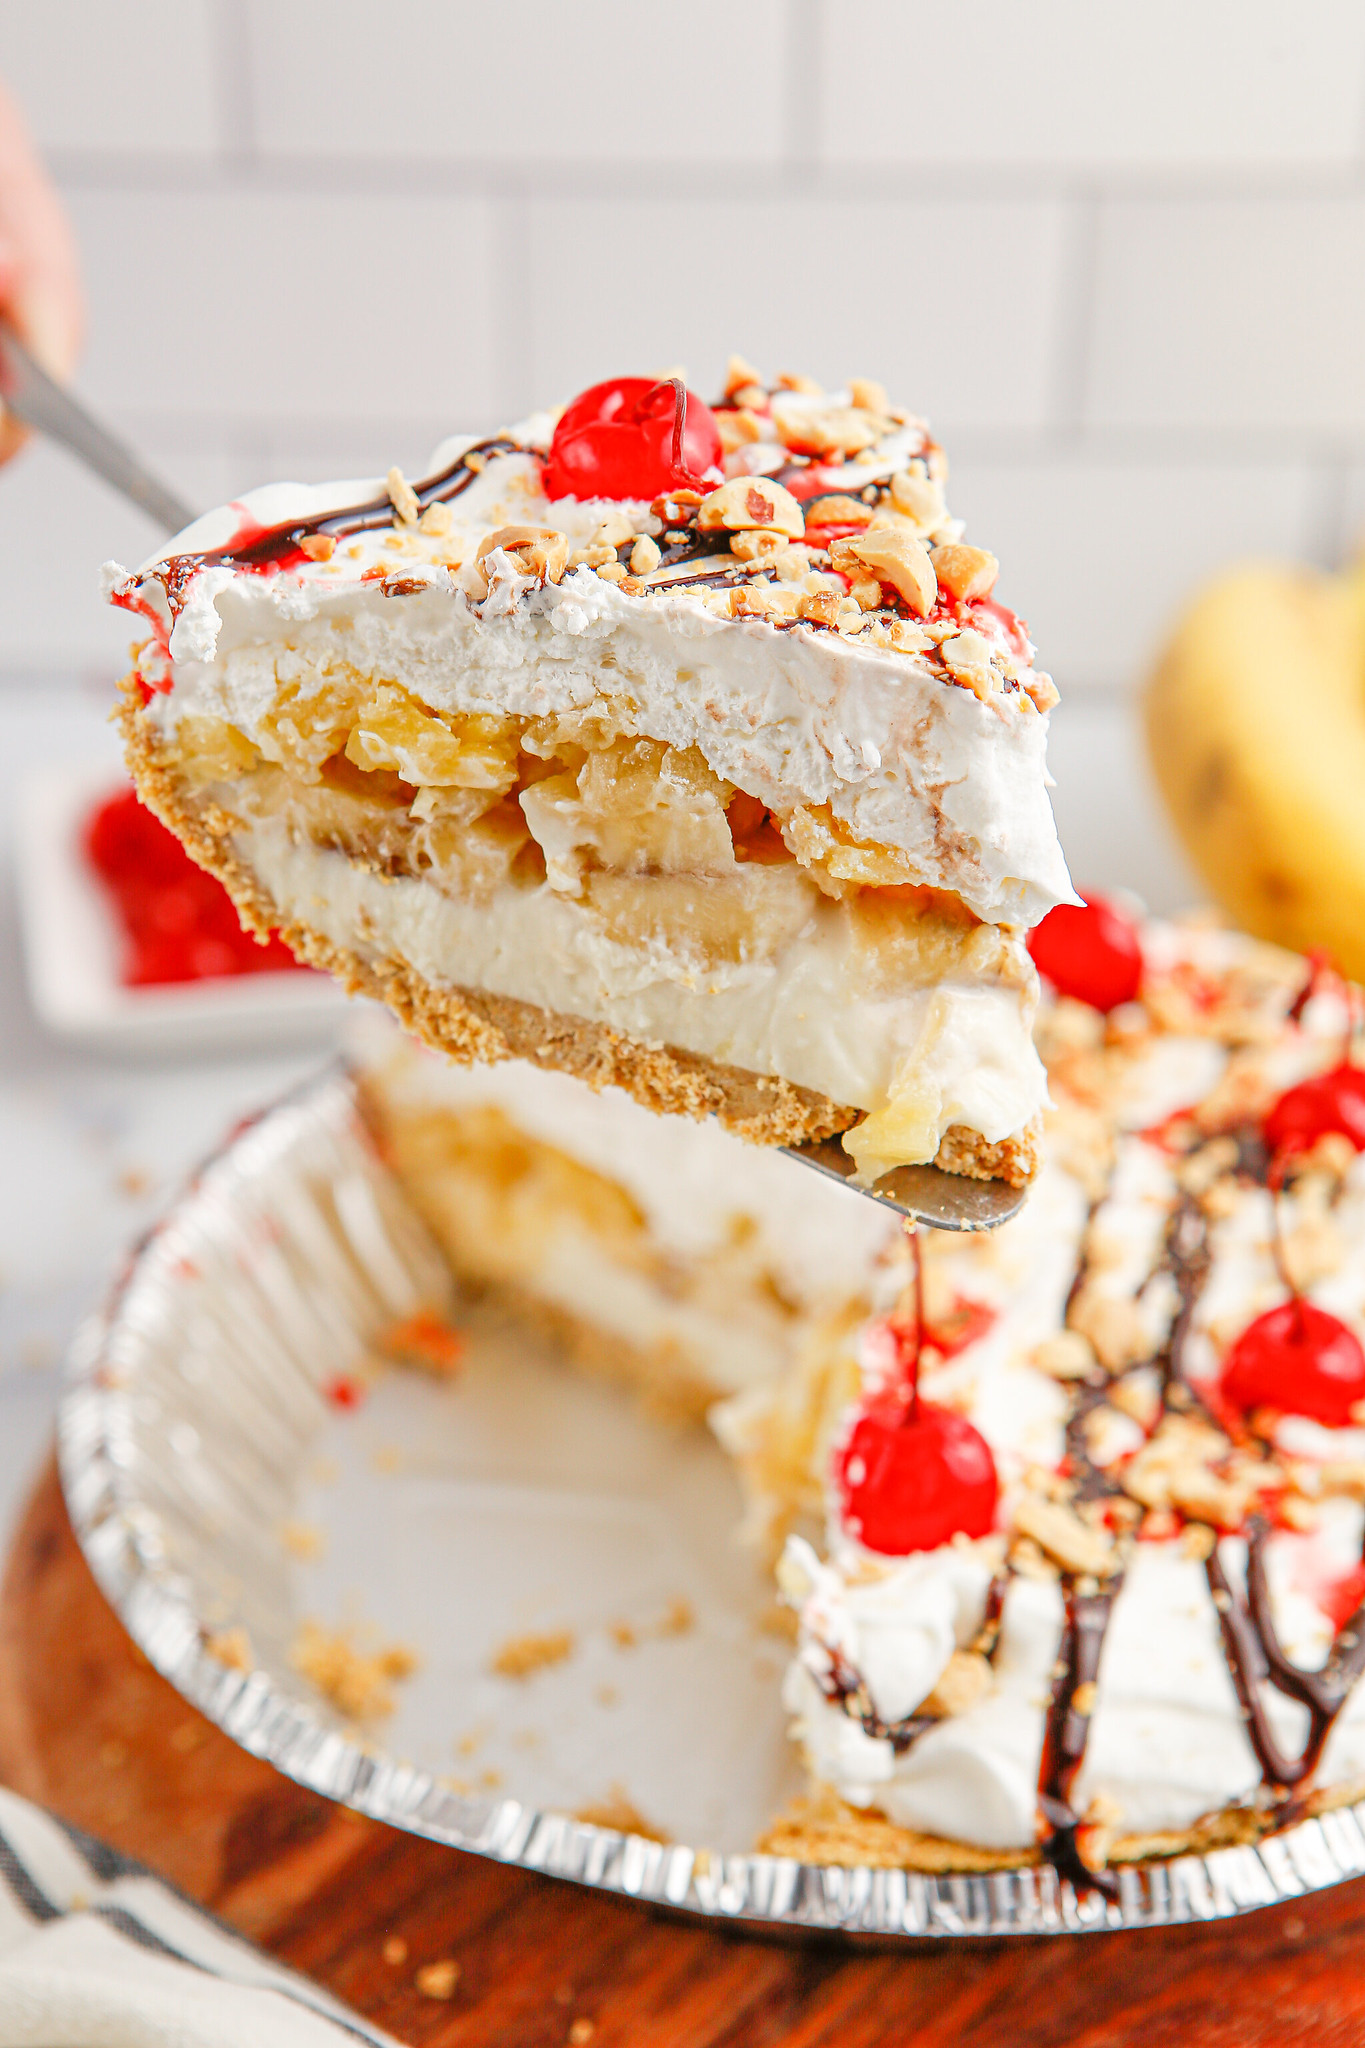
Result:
x=822 y=1829
x=472 y=1027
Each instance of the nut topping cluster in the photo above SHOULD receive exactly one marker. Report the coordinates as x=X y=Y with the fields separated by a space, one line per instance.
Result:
x=831 y=516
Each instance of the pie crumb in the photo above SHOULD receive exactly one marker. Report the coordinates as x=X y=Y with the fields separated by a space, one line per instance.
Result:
x=231 y=1646
x=303 y=1540
x=438 y=1980
x=619 y=1812
x=357 y=1682
x=519 y=1656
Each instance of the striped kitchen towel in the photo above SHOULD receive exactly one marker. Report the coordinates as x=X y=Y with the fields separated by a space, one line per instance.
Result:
x=96 y=1953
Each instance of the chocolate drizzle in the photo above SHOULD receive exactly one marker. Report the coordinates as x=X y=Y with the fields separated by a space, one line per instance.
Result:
x=263 y=550
x=1255 y=1657
x=1067 y=1730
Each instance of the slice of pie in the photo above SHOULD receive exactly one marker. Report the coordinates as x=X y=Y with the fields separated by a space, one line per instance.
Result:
x=1090 y=1590
x=681 y=749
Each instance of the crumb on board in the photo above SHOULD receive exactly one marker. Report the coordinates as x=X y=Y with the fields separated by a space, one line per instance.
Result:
x=387 y=1458
x=438 y=1979
x=356 y=1681
x=303 y=1540
x=680 y=1618
x=425 y=1341
x=231 y=1646
x=607 y=1696
x=619 y=1811
x=677 y=1619
x=519 y=1656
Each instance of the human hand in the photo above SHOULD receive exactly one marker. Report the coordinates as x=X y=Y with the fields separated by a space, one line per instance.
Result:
x=40 y=285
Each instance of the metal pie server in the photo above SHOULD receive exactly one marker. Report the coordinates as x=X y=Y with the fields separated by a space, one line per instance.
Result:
x=922 y=1194
x=33 y=397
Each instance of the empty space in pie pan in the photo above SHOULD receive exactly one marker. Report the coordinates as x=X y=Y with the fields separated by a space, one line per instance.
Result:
x=500 y=1607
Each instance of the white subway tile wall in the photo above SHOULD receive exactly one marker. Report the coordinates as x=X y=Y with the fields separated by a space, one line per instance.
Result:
x=1116 y=255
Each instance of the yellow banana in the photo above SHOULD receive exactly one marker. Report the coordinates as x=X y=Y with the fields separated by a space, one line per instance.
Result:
x=1256 y=728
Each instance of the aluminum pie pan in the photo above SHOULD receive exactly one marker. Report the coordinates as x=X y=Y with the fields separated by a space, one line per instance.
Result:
x=189 y=1399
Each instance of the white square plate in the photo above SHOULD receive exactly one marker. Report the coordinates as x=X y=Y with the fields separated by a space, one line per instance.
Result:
x=73 y=945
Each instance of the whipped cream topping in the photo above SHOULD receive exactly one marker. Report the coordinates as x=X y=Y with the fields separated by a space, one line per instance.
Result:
x=1147 y=1247
x=932 y=746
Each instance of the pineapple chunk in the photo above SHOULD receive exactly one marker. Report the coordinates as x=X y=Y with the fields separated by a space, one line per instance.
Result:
x=469 y=751
x=839 y=863
x=211 y=750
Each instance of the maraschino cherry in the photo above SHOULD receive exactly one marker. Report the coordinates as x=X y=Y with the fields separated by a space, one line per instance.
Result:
x=1299 y=1359
x=911 y=1474
x=632 y=437
x=1089 y=951
x=1330 y=1103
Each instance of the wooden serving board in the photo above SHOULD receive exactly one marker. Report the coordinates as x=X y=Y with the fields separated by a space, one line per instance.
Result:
x=90 y=1730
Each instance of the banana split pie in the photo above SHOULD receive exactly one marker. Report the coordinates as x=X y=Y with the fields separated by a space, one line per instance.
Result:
x=686 y=749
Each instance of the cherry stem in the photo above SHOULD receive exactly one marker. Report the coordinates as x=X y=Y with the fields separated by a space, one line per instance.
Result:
x=1319 y=965
x=682 y=475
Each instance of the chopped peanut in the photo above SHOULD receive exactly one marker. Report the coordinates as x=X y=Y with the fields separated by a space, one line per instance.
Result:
x=749 y=501
x=403 y=497
x=920 y=498
x=965 y=572
x=895 y=557
x=1059 y=1530
x=613 y=531
x=737 y=428
x=759 y=544
x=738 y=374
x=537 y=550
x=838 y=509
x=867 y=395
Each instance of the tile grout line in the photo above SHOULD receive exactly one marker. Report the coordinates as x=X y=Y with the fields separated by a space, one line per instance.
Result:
x=512 y=336
x=246 y=168
x=1074 y=330
x=1326 y=539
x=237 y=151
x=800 y=101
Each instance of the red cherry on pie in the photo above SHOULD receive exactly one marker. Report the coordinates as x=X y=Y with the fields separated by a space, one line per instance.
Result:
x=1333 y=1102
x=1299 y=1359
x=1089 y=951
x=912 y=1474
x=632 y=437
